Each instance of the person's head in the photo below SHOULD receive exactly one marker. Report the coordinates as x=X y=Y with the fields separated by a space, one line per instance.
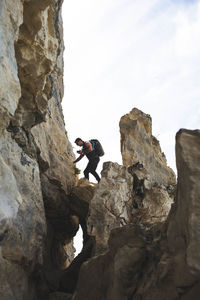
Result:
x=79 y=142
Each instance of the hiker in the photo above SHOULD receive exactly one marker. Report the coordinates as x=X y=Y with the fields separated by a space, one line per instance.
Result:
x=92 y=155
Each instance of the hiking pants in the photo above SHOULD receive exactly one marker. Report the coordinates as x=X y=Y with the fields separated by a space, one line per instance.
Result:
x=91 y=168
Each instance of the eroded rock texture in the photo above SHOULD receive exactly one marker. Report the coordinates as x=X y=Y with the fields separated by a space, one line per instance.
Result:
x=138 y=251
x=80 y=199
x=184 y=226
x=111 y=206
x=139 y=145
x=36 y=170
x=155 y=182
x=11 y=18
x=130 y=193
x=159 y=261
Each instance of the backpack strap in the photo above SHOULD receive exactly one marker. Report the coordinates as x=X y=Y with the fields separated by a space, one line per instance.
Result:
x=93 y=143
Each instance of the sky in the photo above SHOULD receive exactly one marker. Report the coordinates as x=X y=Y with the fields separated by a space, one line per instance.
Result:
x=121 y=54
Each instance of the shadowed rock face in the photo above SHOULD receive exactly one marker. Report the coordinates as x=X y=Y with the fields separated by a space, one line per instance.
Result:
x=183 y=230
x=80 y=199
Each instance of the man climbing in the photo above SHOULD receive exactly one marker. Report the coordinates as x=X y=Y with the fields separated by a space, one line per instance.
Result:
x=93 y=157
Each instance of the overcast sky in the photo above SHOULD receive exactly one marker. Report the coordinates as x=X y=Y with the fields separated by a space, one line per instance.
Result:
x=121 y=54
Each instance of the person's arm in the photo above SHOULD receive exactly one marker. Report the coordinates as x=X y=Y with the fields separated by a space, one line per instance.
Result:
x=79 y=158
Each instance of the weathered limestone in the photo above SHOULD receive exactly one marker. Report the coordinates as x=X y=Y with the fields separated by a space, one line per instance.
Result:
x=156 y=179
x=36 y=53
x=110 y=206
x=81 y=196
x=184 y=226
x=80 y=199
x=157 y=262
x=138 y=145
x=136 y=253
x=10 y=19
x=129 y=193
x=36 y=169
x=22 y=220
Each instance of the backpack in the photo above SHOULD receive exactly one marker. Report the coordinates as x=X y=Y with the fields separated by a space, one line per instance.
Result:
x=96 y=145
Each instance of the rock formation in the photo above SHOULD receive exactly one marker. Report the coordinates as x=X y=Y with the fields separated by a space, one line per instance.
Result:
x=36 y=172
x=138 y=144
x=111 y=205
x=140 y=236
x=125 y=191
x=160 y=261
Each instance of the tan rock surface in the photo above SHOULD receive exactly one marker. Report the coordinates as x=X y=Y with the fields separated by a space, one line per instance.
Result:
x=157 y=262
x=22 y=219
x=31 y=85
x=138 y=145
x=142 y=256
x=154 y=182
x=81 y=196
x=133 y=192
x=109 y=207
x=10 y=19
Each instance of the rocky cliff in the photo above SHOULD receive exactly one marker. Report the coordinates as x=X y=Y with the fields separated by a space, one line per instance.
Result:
x=140 y=234
x=132 y=189
x=36 y=170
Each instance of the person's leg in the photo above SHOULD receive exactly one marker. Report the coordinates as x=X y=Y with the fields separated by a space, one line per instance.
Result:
x=86 y=171
x=95 y=174
x=93 y=167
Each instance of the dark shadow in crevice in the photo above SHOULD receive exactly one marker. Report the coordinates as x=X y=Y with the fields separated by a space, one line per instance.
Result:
x=69 y=277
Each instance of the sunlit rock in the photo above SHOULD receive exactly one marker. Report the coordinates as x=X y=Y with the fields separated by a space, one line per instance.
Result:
x=139 y=145
x=36 y=169
x=135 y=191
